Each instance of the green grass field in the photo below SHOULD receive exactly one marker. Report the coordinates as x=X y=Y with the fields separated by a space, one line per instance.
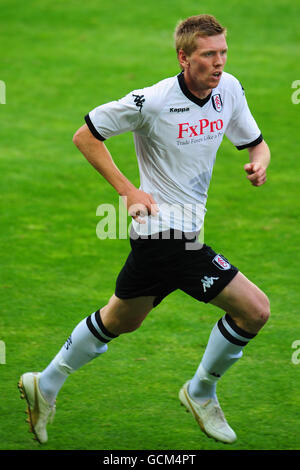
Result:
x=60 y=60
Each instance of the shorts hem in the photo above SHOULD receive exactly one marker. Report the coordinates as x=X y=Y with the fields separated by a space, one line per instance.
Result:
x=157 y=297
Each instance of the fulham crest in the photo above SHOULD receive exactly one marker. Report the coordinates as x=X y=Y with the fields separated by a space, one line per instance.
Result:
x=221 y=262
x=217 y=102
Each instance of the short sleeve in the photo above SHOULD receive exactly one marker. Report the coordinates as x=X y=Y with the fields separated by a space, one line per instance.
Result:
x=242 y=129
x=117 y=117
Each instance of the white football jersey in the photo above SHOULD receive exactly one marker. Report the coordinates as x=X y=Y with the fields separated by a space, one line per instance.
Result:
x=176 y=137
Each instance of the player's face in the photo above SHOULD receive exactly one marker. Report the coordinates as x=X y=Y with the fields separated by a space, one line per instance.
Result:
x=203 y=68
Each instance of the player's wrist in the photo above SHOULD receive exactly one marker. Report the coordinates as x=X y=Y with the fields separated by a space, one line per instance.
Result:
x=125 y=188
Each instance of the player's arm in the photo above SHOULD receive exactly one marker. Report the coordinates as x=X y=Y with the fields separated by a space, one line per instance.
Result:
x=256 y=170
x=138 y=202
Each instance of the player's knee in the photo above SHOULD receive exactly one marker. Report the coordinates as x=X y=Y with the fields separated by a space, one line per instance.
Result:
x=130 y=321
x=261 y=310
x=129 y=327
x=120 y=317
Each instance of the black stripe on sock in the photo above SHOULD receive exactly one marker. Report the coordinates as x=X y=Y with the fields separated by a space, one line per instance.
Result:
x=237 y=329
x=102 y=327
x=228 y=336
x=94 y=331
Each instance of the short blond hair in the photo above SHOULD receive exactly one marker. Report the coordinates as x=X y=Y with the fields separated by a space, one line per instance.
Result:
x=187 y=31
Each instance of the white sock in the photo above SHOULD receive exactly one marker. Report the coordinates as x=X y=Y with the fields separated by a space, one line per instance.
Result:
x=88 y=340
x=224 y=348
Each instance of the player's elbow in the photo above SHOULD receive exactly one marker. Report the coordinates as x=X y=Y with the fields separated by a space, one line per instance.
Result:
x=82 y=136
x=76 y=138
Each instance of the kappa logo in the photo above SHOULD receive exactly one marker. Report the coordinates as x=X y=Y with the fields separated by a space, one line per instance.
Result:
x=207 y=282
x=221 y=262
x=139 y=101
x=217 y=102
x=179 y=110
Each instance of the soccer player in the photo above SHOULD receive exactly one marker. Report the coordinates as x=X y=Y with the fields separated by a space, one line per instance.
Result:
x=178 y=126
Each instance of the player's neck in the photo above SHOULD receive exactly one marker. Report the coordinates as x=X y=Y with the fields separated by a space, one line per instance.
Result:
x=195 y=89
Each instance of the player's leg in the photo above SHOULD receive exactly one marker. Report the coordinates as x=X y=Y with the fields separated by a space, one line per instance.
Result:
x=247 y=305
x=247 y=310
x=90 y=338
x=87 y=341
x=125 y=315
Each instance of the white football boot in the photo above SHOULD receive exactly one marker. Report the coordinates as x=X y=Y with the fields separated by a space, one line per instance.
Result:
x=209 y=416
x=39 y=411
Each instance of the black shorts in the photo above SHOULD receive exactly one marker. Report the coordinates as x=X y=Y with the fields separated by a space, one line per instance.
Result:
x=172 y=260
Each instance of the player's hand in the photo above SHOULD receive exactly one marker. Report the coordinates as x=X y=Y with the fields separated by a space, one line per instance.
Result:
x=256 y=173
x=140 y=204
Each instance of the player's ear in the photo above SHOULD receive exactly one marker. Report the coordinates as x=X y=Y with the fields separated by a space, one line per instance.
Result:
x=183 y=59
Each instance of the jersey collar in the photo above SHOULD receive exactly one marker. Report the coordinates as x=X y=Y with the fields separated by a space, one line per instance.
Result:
x=188 y=94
